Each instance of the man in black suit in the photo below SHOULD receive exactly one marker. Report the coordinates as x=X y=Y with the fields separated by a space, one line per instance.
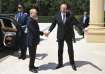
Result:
x=33 y=38
x=65 y=32
x=85 y=21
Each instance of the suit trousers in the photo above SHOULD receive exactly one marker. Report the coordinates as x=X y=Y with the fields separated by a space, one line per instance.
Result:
x=70 y=51
x=32 y=54
x=23 y=44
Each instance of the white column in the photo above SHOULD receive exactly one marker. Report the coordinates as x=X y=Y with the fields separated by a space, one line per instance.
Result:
x=97 y=12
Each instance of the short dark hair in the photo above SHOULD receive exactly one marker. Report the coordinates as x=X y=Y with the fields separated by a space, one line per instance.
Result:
x=61 y=3
x=34 y=6
x=68 y=5
x=21 y=5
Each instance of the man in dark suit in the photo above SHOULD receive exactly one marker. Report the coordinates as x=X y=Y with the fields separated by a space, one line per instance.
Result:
x=33 y=38
x=85 y=21
x=21 y=18
x=64 y=33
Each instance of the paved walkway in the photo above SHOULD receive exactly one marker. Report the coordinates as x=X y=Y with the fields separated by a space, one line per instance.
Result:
x=89 y=57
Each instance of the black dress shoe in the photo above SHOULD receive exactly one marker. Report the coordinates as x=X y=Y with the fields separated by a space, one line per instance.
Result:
x=34 y=69
x=59 y=66
x=74 y=67
x=74 y=40
x=19 y=57
x=22 y=57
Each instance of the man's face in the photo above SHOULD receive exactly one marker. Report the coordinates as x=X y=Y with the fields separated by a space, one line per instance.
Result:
x=85 y=13
x=20 y=8
x=33 y=13
x=63 y=8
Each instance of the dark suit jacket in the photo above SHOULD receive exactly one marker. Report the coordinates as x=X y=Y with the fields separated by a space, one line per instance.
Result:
x=64 y=31
x=86 y=24
x=33 y=32
x=22 y=20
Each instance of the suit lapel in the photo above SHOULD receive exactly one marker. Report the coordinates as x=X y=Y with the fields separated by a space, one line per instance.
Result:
x=67 y=17
x=60 y=17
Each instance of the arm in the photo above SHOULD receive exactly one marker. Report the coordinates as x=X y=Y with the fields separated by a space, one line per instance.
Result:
x=2 y=24
x=51 y=27
x=38 y=29
x=41 y=33
x=33 y=27
x=76 y=23
x=9 y=29
x=29 y=26
x=53 y=24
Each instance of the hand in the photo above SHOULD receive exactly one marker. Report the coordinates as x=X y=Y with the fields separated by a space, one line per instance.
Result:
x=46 y=34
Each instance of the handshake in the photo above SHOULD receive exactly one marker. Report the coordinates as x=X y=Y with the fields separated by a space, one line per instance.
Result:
x=46 y=33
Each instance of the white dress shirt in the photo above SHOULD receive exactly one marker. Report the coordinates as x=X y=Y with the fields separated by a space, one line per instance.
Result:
x=63 y=15
x=84 y=19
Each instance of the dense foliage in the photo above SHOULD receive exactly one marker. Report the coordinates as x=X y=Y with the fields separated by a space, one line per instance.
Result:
x=46 y=7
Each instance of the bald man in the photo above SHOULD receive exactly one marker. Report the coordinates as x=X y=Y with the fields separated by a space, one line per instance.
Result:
x=33 y=38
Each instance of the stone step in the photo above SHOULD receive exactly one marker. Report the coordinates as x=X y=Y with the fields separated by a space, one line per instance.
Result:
x=96 y=30
x=95 y=34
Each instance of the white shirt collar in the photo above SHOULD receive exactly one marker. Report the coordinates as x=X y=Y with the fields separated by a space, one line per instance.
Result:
x=62 y=14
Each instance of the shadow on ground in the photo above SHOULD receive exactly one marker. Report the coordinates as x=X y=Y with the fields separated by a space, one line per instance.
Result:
x=4 y=54
x=79 y=64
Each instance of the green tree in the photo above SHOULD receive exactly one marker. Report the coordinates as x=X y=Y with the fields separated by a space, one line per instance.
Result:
x=46 y=7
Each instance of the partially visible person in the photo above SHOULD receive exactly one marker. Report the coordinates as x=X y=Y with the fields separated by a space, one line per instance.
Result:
x=33 y=38
x=85 y=21
x=21 y=18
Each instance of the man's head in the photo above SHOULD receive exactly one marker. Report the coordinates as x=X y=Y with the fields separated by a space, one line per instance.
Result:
x=33 y=13
x=20 y=7
x=85 y=13
x=63 y=8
